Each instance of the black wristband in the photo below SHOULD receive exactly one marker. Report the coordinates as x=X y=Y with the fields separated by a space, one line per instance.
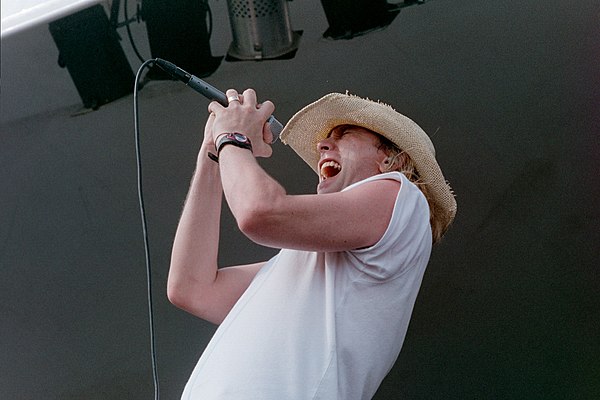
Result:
x=236 y=139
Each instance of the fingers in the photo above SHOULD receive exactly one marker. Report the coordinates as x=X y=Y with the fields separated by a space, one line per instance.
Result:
x=267 y=134
x=233 y=97
x=249 y=96
x=214 y=107
x=244 y=114
x=267 y=107
x=208 y=139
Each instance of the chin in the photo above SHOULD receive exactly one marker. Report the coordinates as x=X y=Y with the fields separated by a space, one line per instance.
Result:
x=327 y=186
x=321 y=188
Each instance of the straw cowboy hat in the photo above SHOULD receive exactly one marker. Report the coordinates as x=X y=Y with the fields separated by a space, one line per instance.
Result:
x=315 y=121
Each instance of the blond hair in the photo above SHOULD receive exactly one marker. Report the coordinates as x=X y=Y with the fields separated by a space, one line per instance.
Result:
x=399 y=160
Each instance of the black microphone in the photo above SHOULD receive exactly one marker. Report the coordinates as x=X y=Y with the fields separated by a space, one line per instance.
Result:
x=209 y=91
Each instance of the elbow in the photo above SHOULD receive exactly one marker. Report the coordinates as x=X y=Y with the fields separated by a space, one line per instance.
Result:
x=181 y=293
x=248 y=223
x=191 y=300
x=257 y=216
x=176 y=295
x=254 y=223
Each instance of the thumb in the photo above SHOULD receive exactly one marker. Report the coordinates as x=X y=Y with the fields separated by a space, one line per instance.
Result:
x=263 y=150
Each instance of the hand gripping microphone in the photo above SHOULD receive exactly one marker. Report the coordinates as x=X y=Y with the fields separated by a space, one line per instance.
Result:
x=209 y=91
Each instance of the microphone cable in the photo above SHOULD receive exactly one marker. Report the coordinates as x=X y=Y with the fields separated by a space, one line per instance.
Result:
x=145 y=229
x=137 y=16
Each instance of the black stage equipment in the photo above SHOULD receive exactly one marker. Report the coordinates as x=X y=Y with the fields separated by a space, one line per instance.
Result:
x=89 y=48
x=350 y=18
x=179 y=31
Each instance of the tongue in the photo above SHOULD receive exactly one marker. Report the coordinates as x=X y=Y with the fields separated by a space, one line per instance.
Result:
x=329 y=172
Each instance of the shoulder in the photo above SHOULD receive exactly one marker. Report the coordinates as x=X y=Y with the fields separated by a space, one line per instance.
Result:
x=387 y=176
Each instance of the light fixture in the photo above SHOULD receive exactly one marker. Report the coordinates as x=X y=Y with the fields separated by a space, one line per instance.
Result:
x=261 y=30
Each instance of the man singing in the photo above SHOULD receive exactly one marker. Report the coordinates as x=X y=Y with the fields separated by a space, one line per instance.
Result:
x=326 y=317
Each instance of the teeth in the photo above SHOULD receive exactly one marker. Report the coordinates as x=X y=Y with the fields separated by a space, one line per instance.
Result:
x=329 y=164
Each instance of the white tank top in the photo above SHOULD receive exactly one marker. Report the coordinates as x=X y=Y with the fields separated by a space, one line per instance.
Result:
x=316 y=325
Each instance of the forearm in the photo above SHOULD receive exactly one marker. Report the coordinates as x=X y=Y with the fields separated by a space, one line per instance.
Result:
x=195 y=247
x=251 y=193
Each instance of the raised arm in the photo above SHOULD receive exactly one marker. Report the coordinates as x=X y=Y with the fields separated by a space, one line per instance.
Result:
x=194 y=283
x=269 y=216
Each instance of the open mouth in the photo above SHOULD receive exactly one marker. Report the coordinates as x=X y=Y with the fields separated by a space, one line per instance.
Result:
x=330 y=169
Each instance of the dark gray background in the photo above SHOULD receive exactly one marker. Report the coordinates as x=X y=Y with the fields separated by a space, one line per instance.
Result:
x=509 y=304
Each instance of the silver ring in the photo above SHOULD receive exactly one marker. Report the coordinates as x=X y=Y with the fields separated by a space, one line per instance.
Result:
x=233 y=98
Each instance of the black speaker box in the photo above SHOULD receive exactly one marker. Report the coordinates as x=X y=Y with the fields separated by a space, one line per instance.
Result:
x=178 y=31
x=90 y=50
x=350 y=18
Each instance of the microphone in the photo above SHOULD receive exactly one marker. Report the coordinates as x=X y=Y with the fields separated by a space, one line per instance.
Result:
x=209 y=91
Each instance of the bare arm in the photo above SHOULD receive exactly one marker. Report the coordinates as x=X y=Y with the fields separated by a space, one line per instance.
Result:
x=269 y=216
x=194 y=283
x=263 y=211
x=326 y=222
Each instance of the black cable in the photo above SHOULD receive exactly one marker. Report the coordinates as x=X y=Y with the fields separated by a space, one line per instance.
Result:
x=209 y=18
x=144 y=228
x=135 y=49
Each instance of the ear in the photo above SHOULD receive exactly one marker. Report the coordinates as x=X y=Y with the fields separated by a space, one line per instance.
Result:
x=385 y=164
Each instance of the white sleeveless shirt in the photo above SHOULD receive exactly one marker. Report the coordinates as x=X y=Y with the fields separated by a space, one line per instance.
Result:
x=315 y=325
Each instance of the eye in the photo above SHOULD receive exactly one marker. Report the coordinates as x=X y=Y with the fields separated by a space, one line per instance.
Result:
x=336 y=134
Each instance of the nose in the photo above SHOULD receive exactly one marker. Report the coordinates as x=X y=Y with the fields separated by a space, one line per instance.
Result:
x=325 y=144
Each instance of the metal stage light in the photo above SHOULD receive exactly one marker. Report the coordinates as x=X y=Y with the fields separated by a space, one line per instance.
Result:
x=350 y=18
x=179 y=31
x=261 y=30
x=89 y=48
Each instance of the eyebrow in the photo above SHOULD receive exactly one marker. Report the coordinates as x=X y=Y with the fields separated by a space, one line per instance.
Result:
x=337 y=128
x=342 y=128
